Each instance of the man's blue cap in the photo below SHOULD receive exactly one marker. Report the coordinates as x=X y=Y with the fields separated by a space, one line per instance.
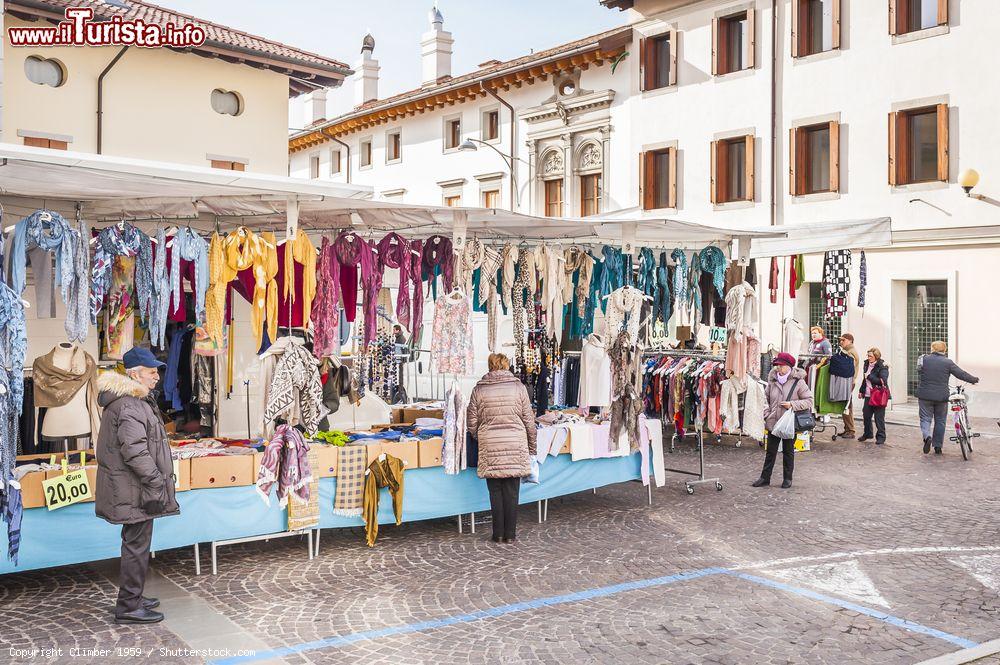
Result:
x=140 y=357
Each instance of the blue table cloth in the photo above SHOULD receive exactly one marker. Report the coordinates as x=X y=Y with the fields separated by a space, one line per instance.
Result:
x=76 y=535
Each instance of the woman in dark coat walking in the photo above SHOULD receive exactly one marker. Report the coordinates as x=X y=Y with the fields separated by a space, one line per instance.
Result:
x=874 y=376
x=936 y=370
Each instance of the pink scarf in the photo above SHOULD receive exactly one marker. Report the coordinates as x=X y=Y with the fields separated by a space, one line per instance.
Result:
x=325 y=317
x=353 y=250
x=394 y=252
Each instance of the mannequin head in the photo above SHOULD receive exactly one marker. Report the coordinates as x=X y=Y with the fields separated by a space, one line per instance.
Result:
x=816 y=333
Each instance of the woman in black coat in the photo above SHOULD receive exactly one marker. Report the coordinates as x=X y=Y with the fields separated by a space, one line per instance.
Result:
x=876 y=375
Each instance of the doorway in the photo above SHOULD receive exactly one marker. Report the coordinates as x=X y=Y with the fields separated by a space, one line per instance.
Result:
x=926 y=321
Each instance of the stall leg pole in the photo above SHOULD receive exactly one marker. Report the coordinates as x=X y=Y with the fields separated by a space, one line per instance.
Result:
x=318 y=532
x=215 y=569
x=472 y=521
x=539 y=512
x=309 y=540
x=460 y=524
x=546 y=510
x=650 y=488
x=197 y=559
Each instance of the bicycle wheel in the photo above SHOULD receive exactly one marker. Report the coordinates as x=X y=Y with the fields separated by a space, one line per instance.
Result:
x=963 y=444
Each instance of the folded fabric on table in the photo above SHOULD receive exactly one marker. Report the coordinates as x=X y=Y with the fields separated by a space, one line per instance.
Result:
x=429 y=422
x=387 y=435
x=427 y=433
x=351 y=463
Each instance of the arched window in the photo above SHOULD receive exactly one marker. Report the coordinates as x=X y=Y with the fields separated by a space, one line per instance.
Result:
x=589 y=169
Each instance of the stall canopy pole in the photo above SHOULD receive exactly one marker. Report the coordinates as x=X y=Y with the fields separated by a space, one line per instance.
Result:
x=292 y=217
x=460 y=225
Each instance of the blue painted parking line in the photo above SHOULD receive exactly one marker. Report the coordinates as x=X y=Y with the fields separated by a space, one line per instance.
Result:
x=906 y=624
x=587 y=594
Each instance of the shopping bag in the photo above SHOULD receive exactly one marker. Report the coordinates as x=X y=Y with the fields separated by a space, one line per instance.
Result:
x=533 y=476
x=785 y=427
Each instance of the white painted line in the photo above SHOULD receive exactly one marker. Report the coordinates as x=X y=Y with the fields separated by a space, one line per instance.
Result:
x=986 y=569
x=887 y=551
x=841 y=578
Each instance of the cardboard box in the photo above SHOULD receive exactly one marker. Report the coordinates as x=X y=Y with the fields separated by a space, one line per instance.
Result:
x=326 y=460
x=257 y=457
x=91 y=480
x=32 y=495
x=430 y=452
x=397 y=415
x=406 y=451
x=182 y=468
x=410 y=414
x=222 y=471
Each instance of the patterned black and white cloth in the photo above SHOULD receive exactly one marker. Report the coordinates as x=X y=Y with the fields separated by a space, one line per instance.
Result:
x=836 y=281
x=862 y=280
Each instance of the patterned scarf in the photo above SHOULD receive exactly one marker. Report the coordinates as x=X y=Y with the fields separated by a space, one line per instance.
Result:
x=613 y=274
x=714 y=261
x=285 y=462
x=509 y=258
x=862 y=280
x=349 y=497
x=189 y=246
x=394 y=252
x=325 y=317
x=438 y=253
x=694 y=274
x=296 y=380
x=161 y=293
x=646 y=281
x=578 y=260
x=680 y=275
x=471 y=260
x=417 y=318
x=124 y=241
x=13 y=348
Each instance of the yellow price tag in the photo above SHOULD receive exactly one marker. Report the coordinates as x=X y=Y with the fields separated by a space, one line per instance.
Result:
x=66 y=489
x=65 y=465
x=52 y=460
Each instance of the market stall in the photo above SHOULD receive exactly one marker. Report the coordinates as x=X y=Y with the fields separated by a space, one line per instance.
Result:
x=188 y=262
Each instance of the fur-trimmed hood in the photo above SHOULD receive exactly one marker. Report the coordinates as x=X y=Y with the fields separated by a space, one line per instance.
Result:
x=112 y=386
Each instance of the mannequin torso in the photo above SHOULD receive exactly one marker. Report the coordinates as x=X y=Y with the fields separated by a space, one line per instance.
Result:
x=73 y=418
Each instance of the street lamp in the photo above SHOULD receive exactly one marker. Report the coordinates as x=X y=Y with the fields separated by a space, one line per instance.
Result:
x=968 y=179
x=472 y=145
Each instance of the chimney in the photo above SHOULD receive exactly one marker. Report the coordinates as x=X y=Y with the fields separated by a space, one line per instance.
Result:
x=366 y=78
x=316 y=105
x=435 y=48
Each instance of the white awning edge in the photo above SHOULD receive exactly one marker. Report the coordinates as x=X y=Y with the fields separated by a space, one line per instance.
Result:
x=819 y=237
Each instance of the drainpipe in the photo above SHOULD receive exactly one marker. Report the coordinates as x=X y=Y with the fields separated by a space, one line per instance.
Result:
x=513 y=138
x=100 y=98
x=774 y=112
x=347 y=147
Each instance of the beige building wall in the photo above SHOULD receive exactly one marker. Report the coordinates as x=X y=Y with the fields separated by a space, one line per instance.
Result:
x=157 y=105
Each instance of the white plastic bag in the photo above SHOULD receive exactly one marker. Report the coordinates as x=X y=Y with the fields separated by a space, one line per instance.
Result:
x=533 y=476
x=785 y=427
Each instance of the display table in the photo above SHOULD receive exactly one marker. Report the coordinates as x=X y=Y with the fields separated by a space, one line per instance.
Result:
x=76 y=535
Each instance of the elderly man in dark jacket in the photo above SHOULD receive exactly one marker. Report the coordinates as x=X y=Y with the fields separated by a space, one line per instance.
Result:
x=135 y=481
x=935 y=370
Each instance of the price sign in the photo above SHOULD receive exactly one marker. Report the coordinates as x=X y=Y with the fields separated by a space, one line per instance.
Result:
x=717 y=335
x=66 y=489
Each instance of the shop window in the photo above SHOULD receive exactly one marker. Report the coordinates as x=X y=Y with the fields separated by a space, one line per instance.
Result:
x=394 y=146
x=452 y=133
x=491 y=125
x=44 y=71
x=334 y=162
x=491 y=198
x=733 y=43
x=733 y=170
x=814 y=159
x=228 y=165
x=590 y=194
x=365 y=158
x=226 y=102
x=907 y=16
x=314 y=166
x=815 y=26
x=53 y=144
x=658 y=61
x=918 y=145
x=658 y=178
x=554 y=198
x=453 y=201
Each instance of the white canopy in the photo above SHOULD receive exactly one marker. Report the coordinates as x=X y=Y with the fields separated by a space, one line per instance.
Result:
x=818 y=237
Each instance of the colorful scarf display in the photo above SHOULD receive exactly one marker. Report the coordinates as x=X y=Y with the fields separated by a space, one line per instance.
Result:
x=353 y=250
x=285 y=463
x=325 y=314
x=394 y=252
x=124 y=240
x=438 y=257
x=189 y=246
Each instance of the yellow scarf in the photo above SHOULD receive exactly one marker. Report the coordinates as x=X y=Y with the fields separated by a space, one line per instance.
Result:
x=300 y=249
x=239 y=251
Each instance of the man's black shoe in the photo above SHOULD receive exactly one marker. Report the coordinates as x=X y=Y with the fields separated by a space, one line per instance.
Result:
x=760 y=482
x=150 y=603
x=927 y=445
x=141 y=615
x=864 y=438
x=786 y=484
x=937 y=451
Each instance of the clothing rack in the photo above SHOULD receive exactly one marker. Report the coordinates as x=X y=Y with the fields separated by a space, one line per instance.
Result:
x=823 y=422
x=699 y=433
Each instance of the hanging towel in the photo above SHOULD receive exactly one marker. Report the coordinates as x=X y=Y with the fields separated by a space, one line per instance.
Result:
x=862 y=280
x=351 y=463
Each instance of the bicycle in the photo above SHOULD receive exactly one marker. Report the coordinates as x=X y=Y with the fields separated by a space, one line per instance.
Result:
x=963 y=431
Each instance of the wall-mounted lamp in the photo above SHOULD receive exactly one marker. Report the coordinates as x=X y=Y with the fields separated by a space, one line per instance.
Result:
x=968 y=179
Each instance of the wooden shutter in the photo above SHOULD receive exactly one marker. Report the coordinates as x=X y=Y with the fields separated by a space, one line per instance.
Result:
x=834 y=156
x=647 y=179
x=752 y=42
x=792 y=164
x=942 y=142
x=642 y=63
x=835 y=39
x=796 y=29
x=893 y=172
x=942 y=12
x=749 y=169
x=893 y=17
x=715 y=171
x=715 y=47
x=674 y=36
x=672 y=178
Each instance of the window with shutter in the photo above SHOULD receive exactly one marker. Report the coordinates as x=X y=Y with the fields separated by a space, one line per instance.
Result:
x=733 y=170
x=590 y=194
x=814 y=160
x=815 y=26
x=907 y=16
x=733 y=44
x=554 y=198
x=918 y=145
x=657 y=62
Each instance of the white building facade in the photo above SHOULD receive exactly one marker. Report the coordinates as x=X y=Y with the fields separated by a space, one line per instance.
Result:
x=863 y=110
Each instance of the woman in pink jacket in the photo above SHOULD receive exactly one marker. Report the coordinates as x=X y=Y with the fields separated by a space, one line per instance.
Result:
x=786 y=389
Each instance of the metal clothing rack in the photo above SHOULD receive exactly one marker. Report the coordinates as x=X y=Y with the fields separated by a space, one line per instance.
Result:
x=823 y=422
x=699 y=433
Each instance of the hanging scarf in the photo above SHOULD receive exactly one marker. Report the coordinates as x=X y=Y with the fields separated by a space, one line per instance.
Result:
x=353 y=250
x=417 y=314
x=862 y=280
x=471 y=260
x=613 y=273
x=77 y=324
x=509 y=256
x=189 y=246
x=13 y=348
x=301 y=250
x=714 y=261
x=115 y=241
x=394 y=252
x=680 y=275
x=161 y=293
x=285 y=462
x=53 y=235
x=646 y=279
x=694 y=274
x=325 y=316
x=578 y=260
x=438 y=254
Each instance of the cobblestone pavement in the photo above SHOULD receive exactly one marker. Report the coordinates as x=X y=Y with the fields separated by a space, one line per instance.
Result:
x=870 y=537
